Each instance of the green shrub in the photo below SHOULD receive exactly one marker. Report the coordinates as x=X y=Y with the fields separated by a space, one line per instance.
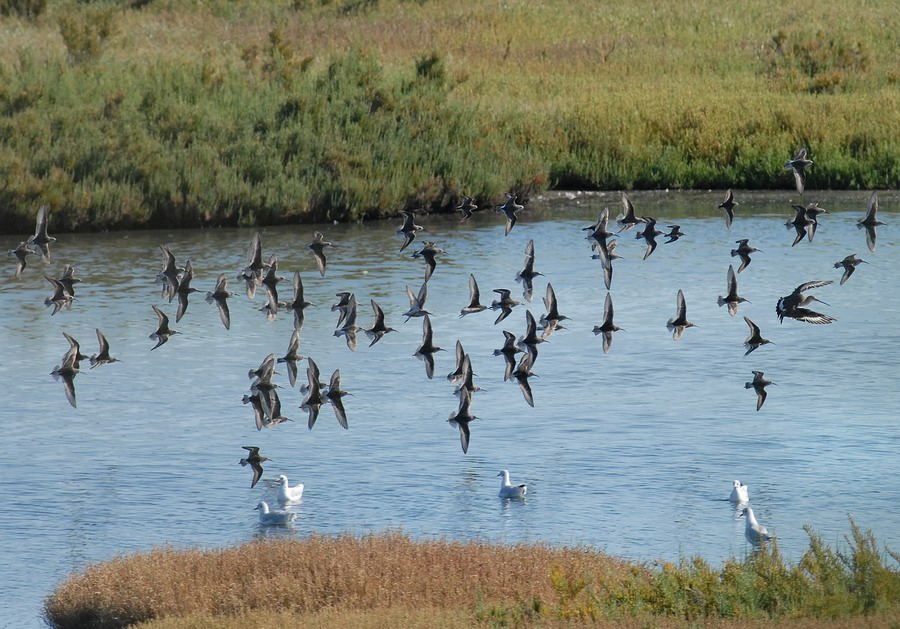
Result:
x=818 y=63
x=28 y=9
x=85 y=29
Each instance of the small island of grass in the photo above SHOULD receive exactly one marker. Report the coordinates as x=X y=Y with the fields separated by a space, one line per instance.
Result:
x=388 y=579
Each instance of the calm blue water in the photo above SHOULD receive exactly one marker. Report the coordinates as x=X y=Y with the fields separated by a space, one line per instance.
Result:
x=632 y=452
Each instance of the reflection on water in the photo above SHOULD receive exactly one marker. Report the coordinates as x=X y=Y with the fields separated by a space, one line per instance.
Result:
x=632 y=452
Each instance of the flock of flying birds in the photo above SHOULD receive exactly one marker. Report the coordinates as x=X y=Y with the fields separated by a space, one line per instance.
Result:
x=258 y=273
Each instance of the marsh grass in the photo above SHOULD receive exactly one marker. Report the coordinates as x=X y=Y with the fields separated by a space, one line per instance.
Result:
x=390 y=579
x=216 y=112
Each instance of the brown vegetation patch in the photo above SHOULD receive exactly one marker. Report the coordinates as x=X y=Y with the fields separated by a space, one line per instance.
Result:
x=318 y=573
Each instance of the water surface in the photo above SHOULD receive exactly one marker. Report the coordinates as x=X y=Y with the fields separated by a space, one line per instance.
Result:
x=632 y=452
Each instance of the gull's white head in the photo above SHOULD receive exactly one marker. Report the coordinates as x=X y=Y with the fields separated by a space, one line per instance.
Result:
x=263 y=506
x=283 y=480
x=736 y=483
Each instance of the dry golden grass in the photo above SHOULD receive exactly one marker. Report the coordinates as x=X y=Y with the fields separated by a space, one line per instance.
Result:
x=465 y=619
x=318 y=573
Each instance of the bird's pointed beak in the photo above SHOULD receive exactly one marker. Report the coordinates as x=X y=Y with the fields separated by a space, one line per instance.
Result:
x=820 y=301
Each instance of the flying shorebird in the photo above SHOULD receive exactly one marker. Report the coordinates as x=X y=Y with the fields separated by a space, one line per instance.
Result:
x=220 y=295
x=521 y=374
x=183 y=289
x=600 y=241
x=508 y=490
x=168 y=277
x=813 y=211
x=870 y=221
x=798 y=166
x=509 y=209
x=252 y=273
x=551 y=318
x=20 y=252
x=66 y=371
x=461 y=420
x=292 y=357
x=755 y=532
x=40 y=239
x=273 y=404
x=627 y=219
x=298 y=304
x=759 y=385
x=755 y=339
x=849 y=263
x=334 y=395
x=457 y=374
x=428 y=251
x=475 y=304
x=258 y=412
x=508 y=351
x=529 y=341
x=744 y=250
x=649 y=234
x=341 y=306
x=68 y=279
x=467 y=384
x=607 y=327
x=408 y=229
x=60 y=298
x=467 y=208
x=74 y=349
x=674 y=233
x=793 y=305
x=728 y=206
x=317 y=246
x=378 y=328
x=314 y=398
x=270 y=282
x=731 y=297
x=427 y=349
x=254 y=460
x=263 y=374
x=679 y=323
x=417 y=303
x=102 y=357
x=350 y=328
x=163 y=331
x=505 y=304
x=801 y=223
x=527 y=274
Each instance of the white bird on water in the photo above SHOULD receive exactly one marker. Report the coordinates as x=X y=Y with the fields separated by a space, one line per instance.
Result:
x=273 y=518
x=508 y=490
x=754 y=531
x=286 y=493
x=739 y=493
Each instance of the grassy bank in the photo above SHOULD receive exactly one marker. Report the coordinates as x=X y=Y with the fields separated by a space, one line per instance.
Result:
x=152 y=113
x=390 y=580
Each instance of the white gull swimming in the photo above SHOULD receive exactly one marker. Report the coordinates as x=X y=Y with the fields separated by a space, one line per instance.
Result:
x=286 y=493
x=273 y=518
x=508 y=490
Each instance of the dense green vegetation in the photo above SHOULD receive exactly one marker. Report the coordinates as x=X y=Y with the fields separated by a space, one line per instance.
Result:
x=390 y=580
x=136 y=113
